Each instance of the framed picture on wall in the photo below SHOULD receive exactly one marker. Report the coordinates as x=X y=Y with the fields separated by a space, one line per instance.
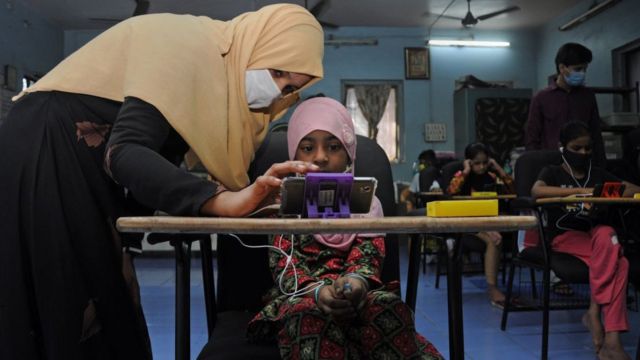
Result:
x=417 y=63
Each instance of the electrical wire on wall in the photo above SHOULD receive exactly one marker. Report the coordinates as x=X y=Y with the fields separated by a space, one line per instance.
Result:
x=430 y=86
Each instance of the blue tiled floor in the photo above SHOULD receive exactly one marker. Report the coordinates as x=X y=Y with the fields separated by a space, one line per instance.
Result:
x=483 y=337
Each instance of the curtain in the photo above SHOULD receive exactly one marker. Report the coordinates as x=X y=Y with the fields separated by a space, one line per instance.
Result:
x=372 y=100
x=500 y=124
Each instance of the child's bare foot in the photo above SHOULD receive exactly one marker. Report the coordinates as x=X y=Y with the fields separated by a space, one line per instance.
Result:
x=496 y=297
x=612 y=354
x=612 y=348
x=592 y=322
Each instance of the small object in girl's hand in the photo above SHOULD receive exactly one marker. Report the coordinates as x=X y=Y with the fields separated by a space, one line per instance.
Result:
x=346 y=288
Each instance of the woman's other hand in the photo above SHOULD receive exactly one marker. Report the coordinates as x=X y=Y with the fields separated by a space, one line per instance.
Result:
x=241 y=203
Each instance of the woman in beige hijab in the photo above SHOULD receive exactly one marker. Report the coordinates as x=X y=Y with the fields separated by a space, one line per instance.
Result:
x=106 y=128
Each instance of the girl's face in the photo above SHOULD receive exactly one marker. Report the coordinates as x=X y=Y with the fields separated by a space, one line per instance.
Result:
x=323 y=149
x=480 y=163
x=580 y=145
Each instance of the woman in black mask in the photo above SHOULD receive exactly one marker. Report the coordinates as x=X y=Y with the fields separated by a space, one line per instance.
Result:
x=596 y=244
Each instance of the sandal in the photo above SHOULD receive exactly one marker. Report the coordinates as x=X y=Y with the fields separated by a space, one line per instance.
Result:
x=499 y=304
x=562 y=288
x=515 y=302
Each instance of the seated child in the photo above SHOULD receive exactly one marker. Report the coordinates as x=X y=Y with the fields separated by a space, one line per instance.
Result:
x=426 y=177
x=577 y=234
x=326 y=318
x=479 y=172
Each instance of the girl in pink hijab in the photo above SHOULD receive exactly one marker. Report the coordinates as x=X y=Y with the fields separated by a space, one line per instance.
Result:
x=339 y=305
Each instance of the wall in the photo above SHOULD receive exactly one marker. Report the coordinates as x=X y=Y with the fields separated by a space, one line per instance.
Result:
x=608 y=30
x=27 y=41
x=424 y=100
x=74 y=39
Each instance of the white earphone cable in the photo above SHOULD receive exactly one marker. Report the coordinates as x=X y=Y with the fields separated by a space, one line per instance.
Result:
x=296 y=292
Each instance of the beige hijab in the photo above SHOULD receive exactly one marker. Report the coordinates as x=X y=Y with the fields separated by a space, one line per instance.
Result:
x=192 y=70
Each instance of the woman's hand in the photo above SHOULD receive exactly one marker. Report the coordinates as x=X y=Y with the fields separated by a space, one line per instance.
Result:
x=334 y=304
x=241 y=203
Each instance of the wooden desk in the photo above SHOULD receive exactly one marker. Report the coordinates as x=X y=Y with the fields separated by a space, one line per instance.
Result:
x=494 y=197
x=396 y=224
x=587 y=199
x=432 y=193
x=400 y=225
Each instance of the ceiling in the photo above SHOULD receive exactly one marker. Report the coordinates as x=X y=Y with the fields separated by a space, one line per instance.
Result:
x=75 y=14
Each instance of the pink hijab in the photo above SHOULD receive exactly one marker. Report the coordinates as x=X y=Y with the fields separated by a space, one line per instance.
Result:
x=327 y=114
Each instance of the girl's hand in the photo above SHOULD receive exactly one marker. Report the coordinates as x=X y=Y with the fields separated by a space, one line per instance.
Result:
x=467 y=167
x=494 y=164
x=243 y=202
x=331 y=303
x=495 y=236
x=356 y=291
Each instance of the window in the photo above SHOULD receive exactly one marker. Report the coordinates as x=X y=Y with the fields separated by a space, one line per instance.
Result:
x=387 y=129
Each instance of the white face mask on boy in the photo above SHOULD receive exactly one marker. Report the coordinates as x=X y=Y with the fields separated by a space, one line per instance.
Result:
x=260 y=88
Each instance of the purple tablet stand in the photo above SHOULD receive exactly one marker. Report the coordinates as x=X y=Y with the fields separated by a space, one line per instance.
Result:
x=331 y=202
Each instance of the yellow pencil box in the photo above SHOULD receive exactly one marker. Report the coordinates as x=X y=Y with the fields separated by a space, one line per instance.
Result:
x=453 y=208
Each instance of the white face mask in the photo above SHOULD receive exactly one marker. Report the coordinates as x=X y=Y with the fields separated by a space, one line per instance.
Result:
x=260 y=88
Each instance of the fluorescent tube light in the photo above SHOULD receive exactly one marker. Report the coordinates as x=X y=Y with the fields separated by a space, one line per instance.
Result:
x=475 y=43
x=589 y=14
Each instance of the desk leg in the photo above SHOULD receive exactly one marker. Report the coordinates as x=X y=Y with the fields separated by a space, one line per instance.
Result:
x=183 y=288
x=414 y=272
x=454 y=299
x=209 y=284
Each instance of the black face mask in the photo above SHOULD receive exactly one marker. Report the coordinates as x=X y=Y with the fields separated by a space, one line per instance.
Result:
x=576 y=160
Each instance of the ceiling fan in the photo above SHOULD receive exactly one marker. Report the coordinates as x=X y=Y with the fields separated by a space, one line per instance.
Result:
x=142 y=7
x=318 y=9
x=470 y=20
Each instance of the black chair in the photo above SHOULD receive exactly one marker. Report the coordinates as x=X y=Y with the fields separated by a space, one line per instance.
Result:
x=427 y=247
x=448 y=171
x=568 y=268
x=244 y=276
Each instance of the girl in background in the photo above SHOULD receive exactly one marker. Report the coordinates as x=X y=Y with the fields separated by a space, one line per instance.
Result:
x=596 y=245
x=479 y=173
